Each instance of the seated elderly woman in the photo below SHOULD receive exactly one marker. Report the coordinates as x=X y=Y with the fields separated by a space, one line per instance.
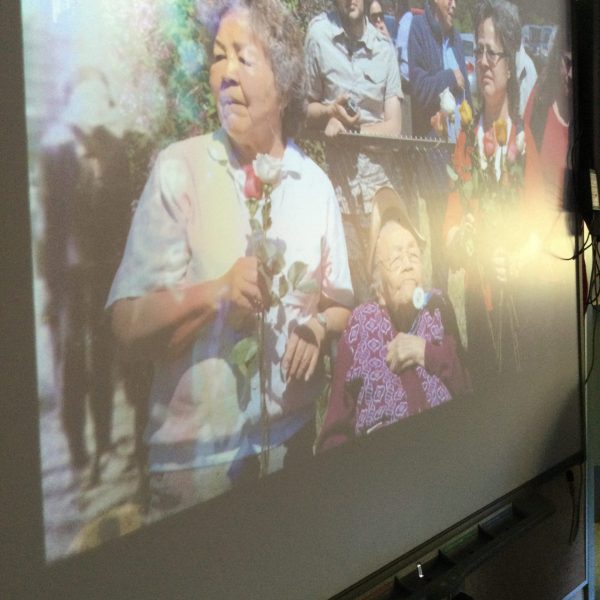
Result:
x=189 y=288
x=399 y=355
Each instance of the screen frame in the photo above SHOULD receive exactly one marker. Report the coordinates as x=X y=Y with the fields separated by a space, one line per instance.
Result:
x=122 y=568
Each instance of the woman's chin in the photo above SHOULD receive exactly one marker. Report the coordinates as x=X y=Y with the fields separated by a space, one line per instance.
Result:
x=237 y=129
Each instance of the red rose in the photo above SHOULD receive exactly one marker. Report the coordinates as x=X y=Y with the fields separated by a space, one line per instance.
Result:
x=462 y=157
x=489 y=144
x=512 y=153
x=487 y=297
x=253 y=187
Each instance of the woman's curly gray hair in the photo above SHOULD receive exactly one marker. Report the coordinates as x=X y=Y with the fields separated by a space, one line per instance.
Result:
x=507 y=25
x=281 y=37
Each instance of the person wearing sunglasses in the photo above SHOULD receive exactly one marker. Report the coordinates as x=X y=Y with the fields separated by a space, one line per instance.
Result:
x=377 y=18
x=436 y=62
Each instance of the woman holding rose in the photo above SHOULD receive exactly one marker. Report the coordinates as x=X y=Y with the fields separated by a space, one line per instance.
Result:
x=237 y=235
x=484 y=227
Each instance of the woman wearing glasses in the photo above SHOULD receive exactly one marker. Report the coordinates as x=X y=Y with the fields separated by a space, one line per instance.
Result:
x=400 y=354
x=484 y=228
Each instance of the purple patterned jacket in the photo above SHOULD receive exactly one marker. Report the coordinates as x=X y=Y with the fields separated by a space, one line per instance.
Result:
x=367 y=395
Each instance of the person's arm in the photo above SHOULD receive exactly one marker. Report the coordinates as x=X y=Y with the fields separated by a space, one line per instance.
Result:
x=462 y=76
x=60 y=173
x=459 y=223
x=331 y=117
x=392 y=109
x=392 y=120
x=426 y=85
x=446 y=357
x=306 y=341
x=439 y=358
x=339 y=423
x=442 y=360
x=165 y=322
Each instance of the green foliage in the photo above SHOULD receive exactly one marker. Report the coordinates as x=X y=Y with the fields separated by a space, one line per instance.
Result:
x=182 y=65
x=244 y=354
x=305 y=10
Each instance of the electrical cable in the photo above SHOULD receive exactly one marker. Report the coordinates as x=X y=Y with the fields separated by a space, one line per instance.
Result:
x=593 y=347
x=587 y=244
x=594 y=283
x=576 y=494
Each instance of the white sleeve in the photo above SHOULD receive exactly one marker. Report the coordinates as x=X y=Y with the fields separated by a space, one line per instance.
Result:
x=336 y=284
x=157 y=253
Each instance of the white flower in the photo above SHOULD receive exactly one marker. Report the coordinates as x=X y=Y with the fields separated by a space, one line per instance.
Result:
x=483 y=163
x=520 y=141
x=447 y=102
x=267 y=168
x=420 y=298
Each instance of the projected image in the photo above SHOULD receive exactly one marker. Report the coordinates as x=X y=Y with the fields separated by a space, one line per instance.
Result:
x=263 y=229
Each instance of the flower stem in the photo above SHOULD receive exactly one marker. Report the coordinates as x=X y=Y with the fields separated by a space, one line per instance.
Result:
x=264 y=415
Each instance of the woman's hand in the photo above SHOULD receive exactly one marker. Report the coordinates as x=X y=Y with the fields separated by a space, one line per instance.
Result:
x=302 y=351
x=460 y=80
x=242 y=288
x=506 y=267
x=500 y=265
x=460 y=241
x=405 y=351
x=333 y=127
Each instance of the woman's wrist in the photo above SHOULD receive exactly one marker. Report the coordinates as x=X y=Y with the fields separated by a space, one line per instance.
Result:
x=318 y=327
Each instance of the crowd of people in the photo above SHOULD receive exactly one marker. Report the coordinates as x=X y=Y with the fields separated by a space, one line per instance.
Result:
x=197 y=275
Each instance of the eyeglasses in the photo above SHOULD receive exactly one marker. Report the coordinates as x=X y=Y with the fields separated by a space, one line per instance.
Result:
x=375 y=17
x=491 y=56
x=397 y=260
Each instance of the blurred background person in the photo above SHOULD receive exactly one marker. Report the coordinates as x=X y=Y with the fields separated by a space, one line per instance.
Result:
x=87 y=203
x=437 y=70
x=527 y=76
x=547 y=121
x=436 y=63
x=402 y=38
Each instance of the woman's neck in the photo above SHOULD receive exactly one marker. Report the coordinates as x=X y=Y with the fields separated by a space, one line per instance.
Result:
x=494 y=112
x=246 y=153
x=403 y=317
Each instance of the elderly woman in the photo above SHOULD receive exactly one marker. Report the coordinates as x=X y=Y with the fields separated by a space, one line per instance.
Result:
x=188 y=289
x=399 y=355
x=484 y=229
